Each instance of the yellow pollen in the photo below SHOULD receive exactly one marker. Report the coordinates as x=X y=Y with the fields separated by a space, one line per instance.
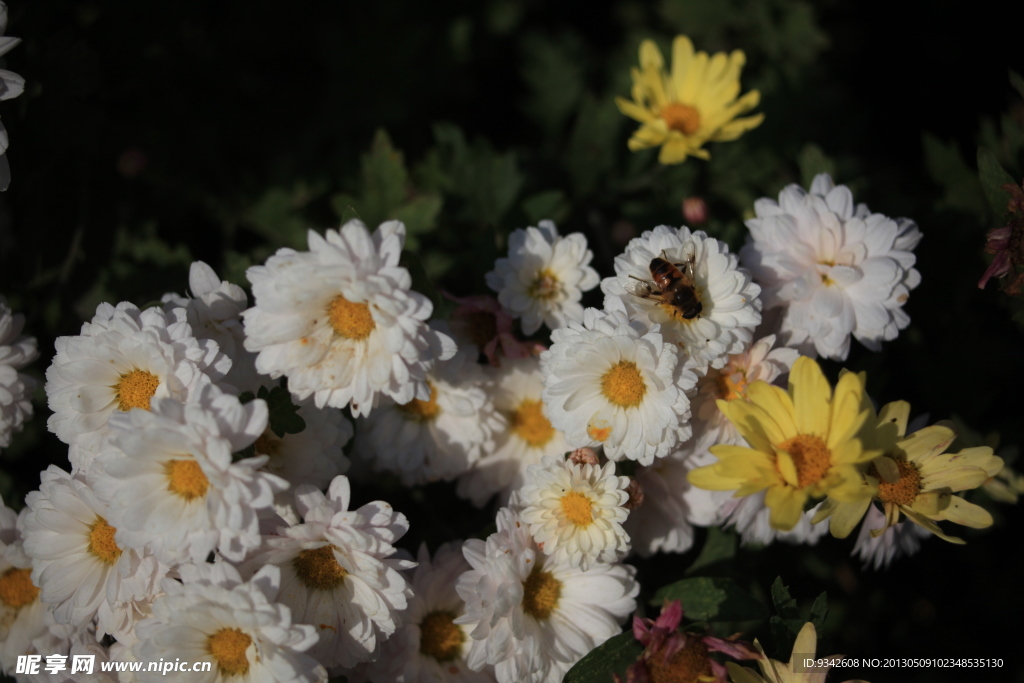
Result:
x=17 y=589
x=101 y=541
x=440 y=637
x=135 y=389
x=904 y=490
x=349 y=319
x=623 y=385
x=318 y=569
x=422 y=411
x=681 y=117
x=545 y=286
x=732 y=384
x=482 y=327
x=186 y=478
x=690 y=664
x=228 y=647
x=826 y=280
x=577 y=508
x=540 y=594
x=810 y=456
x=530 y=425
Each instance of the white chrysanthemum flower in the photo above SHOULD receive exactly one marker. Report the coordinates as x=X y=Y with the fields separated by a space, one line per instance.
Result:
x=341 y=322
x=837 y=269
x=672 y=506
x=544 y=276
x=533 y=618
x=526 y=436
x=76 y=561
x=730 y=308
x=124 y=359
x=11 y=85
x=750 y=517
x=616 y=383
x=898 y=540
x=429 y=647
x=214 y=311
x=16 y=351
x=576 y=512
x=238 y=626
x=313 y=456
x=760 y=362
x=336 y=572
x=171 y=485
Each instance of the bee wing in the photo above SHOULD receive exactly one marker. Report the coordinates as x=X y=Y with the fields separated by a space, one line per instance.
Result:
x=689 y=252
x=636 y=287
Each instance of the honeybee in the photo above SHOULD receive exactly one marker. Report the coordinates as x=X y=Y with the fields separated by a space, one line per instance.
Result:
x=672 y=285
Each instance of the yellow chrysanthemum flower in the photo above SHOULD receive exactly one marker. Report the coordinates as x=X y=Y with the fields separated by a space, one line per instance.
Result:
x=774 y=671
x=694 y=104
x=916 y=477
x=802 y=444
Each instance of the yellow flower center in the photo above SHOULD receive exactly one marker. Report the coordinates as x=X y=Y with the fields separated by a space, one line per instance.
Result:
x=623 y=385
x=811 y=458
x=267 y=444
x=186 y=478
x=681 y=117
x=731 y=384
x=540 y=594
x=101 y=541
x=135 y=389
x=440 y=637
x=530 y=425
x=349 y=319
x=904 y=490
x=544 y=286
x=318 y=569
x=577 y=508
x=422 y=411
x=17 y=589
x=690 y=664
x=228 y=647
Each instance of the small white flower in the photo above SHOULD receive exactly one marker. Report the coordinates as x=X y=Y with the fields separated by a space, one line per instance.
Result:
x=439 y=438
x=76 y=561
x=836 y=269
x=430 y=647
x=16 y=351
x=534 y=618
x=171 y=485
x=337 y=572
x=576 y=512
x=898 y=540
x=526 y=435
x=313 y=456
x=616 y=383
x=544 y=276
x=730 y=308
x=758 y=363
x=341 y=322
x=750 y=517
x=239 y=627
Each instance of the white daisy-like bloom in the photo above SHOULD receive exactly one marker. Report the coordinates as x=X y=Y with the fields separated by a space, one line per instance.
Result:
x=729 y=305
x=440 y=438
x=76 y=561
x=429 y=647
x=313 y=456
x=618 y=383
x=533 y=618
x=11 y=85
x=214 y=311
x=750 y=517
x=671 y=506
x=124 y=359
x=170 y=483
x=341 y=321
x=526 y=436
x=16 y=351
x=238 y=626
x=837 y=269
x=338 y=573
x=898 y=540
x=760 y=362
x=544 y=276
x=575 y=511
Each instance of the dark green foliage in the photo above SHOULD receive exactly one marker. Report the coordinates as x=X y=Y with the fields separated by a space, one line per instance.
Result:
x=712 y=599
x=613 y=657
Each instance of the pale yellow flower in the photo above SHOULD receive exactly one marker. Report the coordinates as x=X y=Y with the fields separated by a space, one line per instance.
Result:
x=773 y=671
x=693 y=104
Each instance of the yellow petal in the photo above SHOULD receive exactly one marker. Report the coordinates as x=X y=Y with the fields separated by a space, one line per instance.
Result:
x=741 y=674
x=888 y=468
x=787 y=468
x=954 y=478
x=682 y=59
x=786 y=505
x=811 y=395
x=806 y=644
x=634 y=111
x=931 y=503
x=776 y=403
x=967 y=514
x=650 y=56
x=737 y=127
x=896 y=413
x=674 y=151
x=847 y=415
x=825 y=510
x=753 y=424
x=926 y=443
x=931 y=526
x=847 y=516
x=708 y=478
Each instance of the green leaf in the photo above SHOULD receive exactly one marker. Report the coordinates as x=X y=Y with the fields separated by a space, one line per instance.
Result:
x=550 y=205
x=993 y=176
x=1017 y=82
x=712 y=599
x=819 y=612
x=612 y=657
x=719 y=547
x=786 y=623
x=283 y=413
x=594 y=145
x=947 y=168
x=553 y=73
x=812 y=161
